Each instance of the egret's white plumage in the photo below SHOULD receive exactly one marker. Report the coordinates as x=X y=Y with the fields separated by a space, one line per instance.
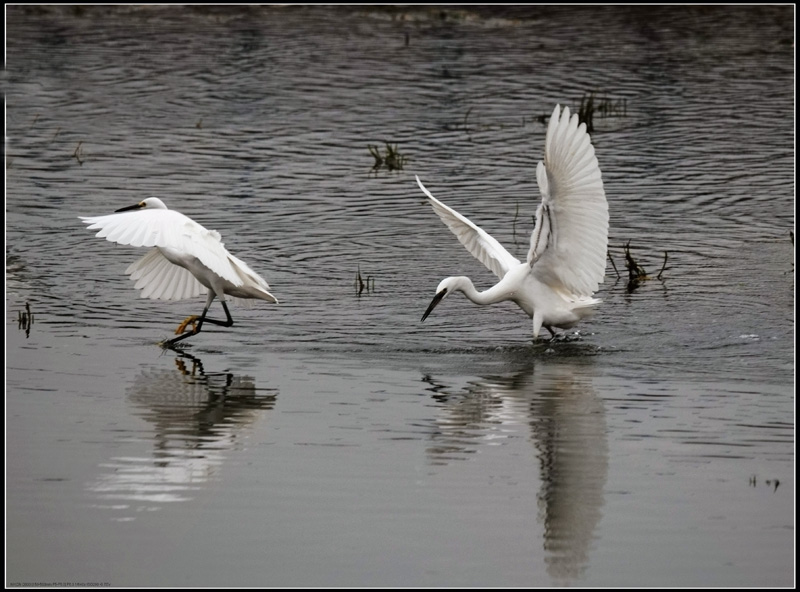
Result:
x=567 y=258
x=187 y=259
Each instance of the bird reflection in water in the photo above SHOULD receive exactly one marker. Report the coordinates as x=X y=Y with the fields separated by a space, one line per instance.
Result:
x=568 y=432
x=195 y=419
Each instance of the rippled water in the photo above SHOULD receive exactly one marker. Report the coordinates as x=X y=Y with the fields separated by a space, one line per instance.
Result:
x=334 y=439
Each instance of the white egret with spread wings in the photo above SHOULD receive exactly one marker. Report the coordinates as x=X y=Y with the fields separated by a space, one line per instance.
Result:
x=187 y=260
x=566 y=261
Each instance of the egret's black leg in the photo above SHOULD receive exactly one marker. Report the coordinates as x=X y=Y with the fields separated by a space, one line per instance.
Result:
x=226 y=323
x=171 y=342
x=202 y=319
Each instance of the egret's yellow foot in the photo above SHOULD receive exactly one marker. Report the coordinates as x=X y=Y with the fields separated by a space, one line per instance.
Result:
x=187 y=321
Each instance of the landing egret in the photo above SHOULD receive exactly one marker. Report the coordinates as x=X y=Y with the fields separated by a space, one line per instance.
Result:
x=188 y=260
x=567 y=257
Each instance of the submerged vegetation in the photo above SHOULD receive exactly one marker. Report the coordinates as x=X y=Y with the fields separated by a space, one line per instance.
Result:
x=636 y=273
x=363 y=284
x=77 y=154
x=602 y=106
x=393 y=160
x=25 y=319
x=593 y=104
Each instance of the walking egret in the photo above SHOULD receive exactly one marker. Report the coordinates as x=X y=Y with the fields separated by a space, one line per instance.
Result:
x=188 y=260
x=567 y=257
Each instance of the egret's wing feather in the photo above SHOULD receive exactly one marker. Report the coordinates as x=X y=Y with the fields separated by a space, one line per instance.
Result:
x=158 y=278
x=479 y=243
x=167 y=229
x=247 y=274
x=250 y=278
x=570 y=240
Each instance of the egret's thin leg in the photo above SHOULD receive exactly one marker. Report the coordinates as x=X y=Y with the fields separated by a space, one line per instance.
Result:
x=226 y=323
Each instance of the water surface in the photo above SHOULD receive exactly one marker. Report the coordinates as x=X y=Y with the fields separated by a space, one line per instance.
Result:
x=334 y=439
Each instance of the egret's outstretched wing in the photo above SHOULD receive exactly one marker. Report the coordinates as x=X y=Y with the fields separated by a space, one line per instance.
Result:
x=247 y=275
x=481 y=245
x=158 y=278
x=570 y=240
x=171 y=230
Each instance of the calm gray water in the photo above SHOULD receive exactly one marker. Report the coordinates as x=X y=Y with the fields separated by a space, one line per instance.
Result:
x=333 y=439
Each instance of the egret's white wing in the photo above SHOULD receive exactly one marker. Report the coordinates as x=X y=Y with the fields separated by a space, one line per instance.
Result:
x=158 y=278
x=480 y=244
x=167 y=229
x=570 y=241
x=247 y=275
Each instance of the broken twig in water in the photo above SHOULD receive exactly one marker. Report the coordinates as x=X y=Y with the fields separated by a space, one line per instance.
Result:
x=77 y=153
x=614 y=265
x=663 y=267
x=362 y=284
x=25 y=319
x=637 y=273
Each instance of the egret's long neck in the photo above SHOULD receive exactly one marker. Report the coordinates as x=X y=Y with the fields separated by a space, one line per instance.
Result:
x=490 y=296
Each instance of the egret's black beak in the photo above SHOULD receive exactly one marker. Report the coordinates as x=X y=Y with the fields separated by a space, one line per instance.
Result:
x=436 y=300
x=137 y=206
